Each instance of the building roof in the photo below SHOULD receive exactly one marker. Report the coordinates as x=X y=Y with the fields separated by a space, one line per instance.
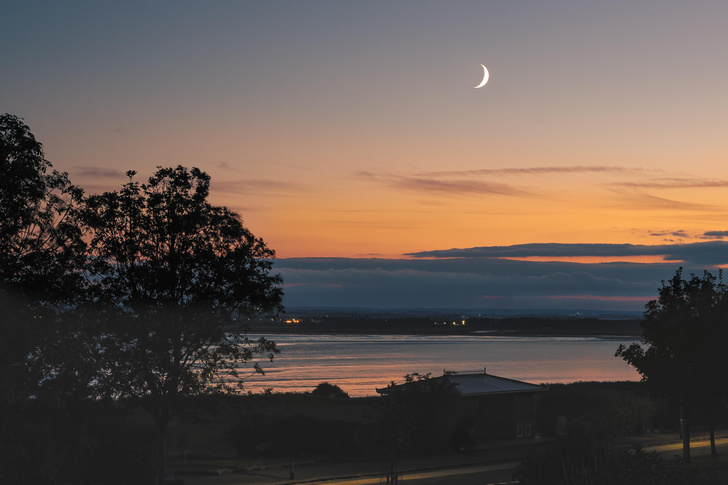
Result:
x=479 y=384
x=473 y=384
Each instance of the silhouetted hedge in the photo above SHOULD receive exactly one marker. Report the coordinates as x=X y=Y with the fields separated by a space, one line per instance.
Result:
x=261 y=436
x=93 y=443
x=607 y=408
x=580 y=458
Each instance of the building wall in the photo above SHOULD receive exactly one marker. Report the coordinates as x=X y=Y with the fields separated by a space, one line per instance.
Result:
x=505 y=417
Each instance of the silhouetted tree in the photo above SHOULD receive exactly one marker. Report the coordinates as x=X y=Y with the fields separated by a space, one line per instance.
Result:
x=415 y=416
x=715 y=359
x=678 y=352
x=174 y=279
x=328 y=390
x=41 y=251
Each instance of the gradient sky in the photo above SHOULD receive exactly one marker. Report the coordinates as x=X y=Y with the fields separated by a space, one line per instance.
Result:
x=352 y=129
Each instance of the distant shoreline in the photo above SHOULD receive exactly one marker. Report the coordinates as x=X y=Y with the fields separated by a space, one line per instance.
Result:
x=472 y=334
x=504 y=327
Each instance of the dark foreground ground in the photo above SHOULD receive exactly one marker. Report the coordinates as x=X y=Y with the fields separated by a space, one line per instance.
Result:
x=250 y=439
x=625 y=414
x=485 y=465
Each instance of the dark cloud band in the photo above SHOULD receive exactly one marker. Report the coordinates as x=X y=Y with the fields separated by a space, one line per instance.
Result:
x=711 y=253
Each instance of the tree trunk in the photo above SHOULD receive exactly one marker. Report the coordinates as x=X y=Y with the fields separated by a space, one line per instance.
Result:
x=685 y=428
x=161 y=423
x=713 y=450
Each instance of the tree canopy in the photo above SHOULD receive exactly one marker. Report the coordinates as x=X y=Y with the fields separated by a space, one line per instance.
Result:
x=175 y=279
x=41 y=247
x=39 y=228
x=140 y=293
x=681 y=333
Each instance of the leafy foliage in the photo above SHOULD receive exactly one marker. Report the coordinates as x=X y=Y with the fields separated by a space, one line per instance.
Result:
x=682 y=334
x=161 y=284
x=176 y=278
x=607 y=408
x=415 y=416
x=173 y=281
x=41 y=248
x=677 y=329
x=39 y=230
x=326 y=389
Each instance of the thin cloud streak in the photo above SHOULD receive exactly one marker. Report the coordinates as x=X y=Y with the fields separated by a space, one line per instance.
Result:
x=466 y=182
x=98 y=172
x=675 y=183
x=679 y=234
x=447 y=187
x=537 y=171
x=458 y=187
x=641 y=201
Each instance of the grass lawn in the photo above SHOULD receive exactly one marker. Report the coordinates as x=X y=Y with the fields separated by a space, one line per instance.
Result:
x=215 y=466
x=718 y=465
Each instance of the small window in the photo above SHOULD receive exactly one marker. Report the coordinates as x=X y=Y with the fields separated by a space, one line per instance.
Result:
x=519 y=431
x=528 y=429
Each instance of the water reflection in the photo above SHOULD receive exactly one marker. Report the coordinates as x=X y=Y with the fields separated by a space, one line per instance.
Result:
x=361 y=363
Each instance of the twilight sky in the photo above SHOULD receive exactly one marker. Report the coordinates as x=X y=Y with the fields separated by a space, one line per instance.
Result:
x=349 y=135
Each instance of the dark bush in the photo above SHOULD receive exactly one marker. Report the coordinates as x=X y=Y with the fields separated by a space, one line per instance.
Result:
x=417 y=418
x=609 y=408
x=260 y=436
x=92 y=443
x=581 y=459
x=326 y=389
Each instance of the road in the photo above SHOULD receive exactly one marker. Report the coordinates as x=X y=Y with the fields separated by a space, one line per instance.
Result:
x=697 y=448
x=500 y=473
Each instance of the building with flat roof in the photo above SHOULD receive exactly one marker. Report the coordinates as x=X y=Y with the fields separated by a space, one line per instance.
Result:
x=490 y=408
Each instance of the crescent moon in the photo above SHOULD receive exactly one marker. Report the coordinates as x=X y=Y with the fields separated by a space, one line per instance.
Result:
x=486 y=76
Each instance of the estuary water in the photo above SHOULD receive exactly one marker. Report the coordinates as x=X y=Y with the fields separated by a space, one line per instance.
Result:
x=361 y=363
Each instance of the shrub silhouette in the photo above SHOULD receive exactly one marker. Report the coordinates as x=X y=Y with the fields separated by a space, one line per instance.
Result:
x=326 y=389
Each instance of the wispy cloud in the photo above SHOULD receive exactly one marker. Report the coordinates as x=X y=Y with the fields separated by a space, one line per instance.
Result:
x=536 y=171
x=673 y=183
x=715 y=234
x=97 y=172
x=678 y=234
x=633 y=185
x=431 y=185
x=641 y=201
x=484 y=181
x=222 y=165
x=457 y=186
